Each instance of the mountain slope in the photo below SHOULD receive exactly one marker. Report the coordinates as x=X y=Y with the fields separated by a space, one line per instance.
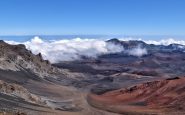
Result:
x=26 y=76
x=158 y=97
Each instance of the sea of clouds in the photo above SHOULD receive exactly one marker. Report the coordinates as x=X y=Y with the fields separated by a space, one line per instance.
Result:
x=73 y=49
x=69 y=49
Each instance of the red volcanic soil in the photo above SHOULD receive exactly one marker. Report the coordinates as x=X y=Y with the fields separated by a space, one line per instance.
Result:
x=157 y=97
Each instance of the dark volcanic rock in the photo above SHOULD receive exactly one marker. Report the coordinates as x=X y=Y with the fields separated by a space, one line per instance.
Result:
x=128 y=44
x=150 y=47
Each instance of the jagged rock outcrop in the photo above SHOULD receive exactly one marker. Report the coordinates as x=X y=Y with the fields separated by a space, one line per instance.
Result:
x=17 y=58
x=19 y=91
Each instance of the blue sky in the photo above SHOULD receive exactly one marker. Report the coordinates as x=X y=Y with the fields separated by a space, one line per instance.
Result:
x=62 y=17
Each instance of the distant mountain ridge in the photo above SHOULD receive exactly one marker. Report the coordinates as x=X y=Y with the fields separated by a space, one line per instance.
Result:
x=135 y=43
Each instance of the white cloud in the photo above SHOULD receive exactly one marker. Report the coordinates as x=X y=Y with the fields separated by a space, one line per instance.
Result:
x=138 y=51
x=73 y=49
x=67 y=50
x=165 y=42
x=36 y=40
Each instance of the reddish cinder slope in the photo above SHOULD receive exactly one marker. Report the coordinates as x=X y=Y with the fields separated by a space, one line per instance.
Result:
x=157 y=97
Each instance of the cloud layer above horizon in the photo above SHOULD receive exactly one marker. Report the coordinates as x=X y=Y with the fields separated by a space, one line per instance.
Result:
x=73 y=49
x=69 y=50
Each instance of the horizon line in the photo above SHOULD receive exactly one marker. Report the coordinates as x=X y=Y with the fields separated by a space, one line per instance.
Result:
x=93 y=35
